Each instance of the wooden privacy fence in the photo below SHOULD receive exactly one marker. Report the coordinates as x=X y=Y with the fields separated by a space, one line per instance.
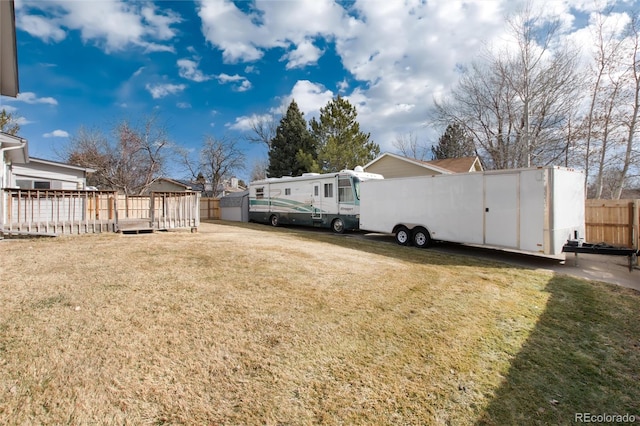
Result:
x=77 y=212
x=614 y=222
x=210 y=209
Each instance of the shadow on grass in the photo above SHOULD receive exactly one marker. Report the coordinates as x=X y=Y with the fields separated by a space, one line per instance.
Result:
x=439 y=253
x=582 y=357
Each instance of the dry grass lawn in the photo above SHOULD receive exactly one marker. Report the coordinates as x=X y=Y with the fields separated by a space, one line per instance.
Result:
x=247 y=324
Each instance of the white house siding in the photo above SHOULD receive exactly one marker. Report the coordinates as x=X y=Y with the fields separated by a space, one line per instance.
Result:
x=60 y=176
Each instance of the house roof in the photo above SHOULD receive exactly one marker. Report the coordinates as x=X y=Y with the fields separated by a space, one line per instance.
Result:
x=59 y=164
x=18 y=151
x=425 y=164
x=8 y=50
x=174 y=182
x=458 y=165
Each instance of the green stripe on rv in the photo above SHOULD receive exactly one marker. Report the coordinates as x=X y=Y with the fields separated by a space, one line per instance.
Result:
x=288 y=205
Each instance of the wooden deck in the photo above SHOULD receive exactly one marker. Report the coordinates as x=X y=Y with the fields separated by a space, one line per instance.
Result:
x=135 y=226
x=57 y=212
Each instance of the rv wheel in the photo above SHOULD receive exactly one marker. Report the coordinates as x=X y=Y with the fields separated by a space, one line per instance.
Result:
x=274 y=220
x=338 y=226
x=421 y=238
x=402 y=236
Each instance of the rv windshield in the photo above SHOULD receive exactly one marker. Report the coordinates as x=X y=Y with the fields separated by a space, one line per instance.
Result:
x=356 y=187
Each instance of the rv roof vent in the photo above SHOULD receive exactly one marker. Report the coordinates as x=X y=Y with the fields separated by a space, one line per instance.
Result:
x=311 y=174
x=358 y=169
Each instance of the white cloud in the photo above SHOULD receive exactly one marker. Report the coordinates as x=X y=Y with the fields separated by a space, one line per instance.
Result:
x=22 y=121
x=183 y=105
x=244 y=37
x=189 y=69
x=56 y=134
x=161 y=90
x=32 y=98
x=245 y=122
x=240 y=83
x=309 y=96
x=47 y=30
x=10 y=109
x=304 y=54
x=342 y=85
x=112 y=25
x=244 y=86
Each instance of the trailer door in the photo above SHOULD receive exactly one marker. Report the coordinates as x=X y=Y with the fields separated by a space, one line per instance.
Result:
x=316 y=201
x=501 y=210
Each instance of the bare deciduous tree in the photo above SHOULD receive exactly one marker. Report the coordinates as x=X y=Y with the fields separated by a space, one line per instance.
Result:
x=130 y=162
x=263 y=130
x=632 y=93
x=259 y=170
x=517 y=104
x=408 y=146
x=610 y=123
x=218 y=159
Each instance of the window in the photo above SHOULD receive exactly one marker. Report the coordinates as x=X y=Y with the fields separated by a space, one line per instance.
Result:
x=260 y=192
x=24 y=184
x=356 y=187
x=315 y=191
x=41 y=185
x=345 y=194
x=328 y=190
x=287 y=191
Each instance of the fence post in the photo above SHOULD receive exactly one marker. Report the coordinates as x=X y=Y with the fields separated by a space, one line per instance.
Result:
x=152 y=210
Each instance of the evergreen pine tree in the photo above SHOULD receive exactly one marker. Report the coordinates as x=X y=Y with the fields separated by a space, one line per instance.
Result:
x=341 y=144
x=454 y=143
x=292 y=150
x=8 y=123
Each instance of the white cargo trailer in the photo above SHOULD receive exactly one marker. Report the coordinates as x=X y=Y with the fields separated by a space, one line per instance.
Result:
x=330 y=200
x=532 y=210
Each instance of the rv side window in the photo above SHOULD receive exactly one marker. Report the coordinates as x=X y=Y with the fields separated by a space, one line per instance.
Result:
x=287 y=191
x=345 y=194
x=260 y=192
x=328 y=190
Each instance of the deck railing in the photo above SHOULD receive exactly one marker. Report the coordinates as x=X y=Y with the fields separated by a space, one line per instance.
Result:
x=58 y=211
x=55 y=212
x=170 y=210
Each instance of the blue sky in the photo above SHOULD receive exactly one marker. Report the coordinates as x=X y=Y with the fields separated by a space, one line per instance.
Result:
x=209 y=67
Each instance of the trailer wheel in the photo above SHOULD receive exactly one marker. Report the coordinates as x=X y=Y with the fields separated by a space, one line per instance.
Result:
x=421 y=238
x=402 y=236
x=338 y=226
x=274 y=220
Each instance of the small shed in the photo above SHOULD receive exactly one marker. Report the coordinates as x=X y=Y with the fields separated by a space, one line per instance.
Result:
x=235 y=207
